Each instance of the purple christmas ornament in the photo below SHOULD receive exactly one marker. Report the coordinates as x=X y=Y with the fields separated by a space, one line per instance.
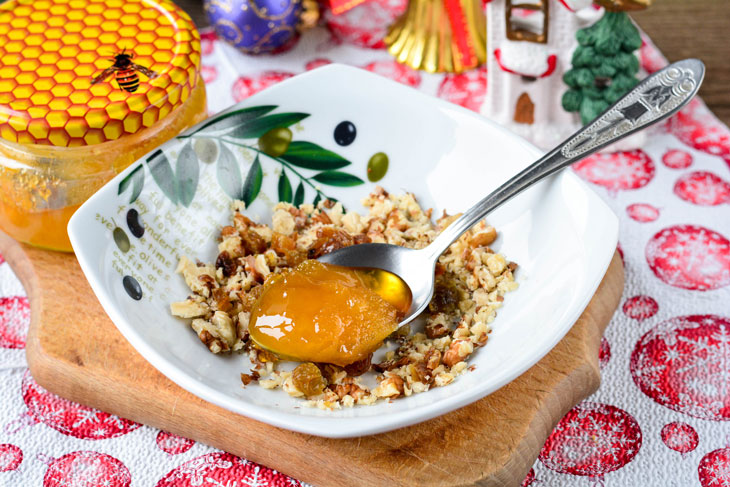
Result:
x=255 y=26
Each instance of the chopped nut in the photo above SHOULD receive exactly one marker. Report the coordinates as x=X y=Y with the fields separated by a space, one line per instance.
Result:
x=432 y=359
x=390 y=364
x=246 y=379
x=391 y=387
x=483 y=238
x=283 y=222
x=210 y=336
x=188 y=309
x=458 y=351
x=436 y=326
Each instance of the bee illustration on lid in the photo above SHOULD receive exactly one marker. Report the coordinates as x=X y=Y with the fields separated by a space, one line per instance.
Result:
x=125 y=71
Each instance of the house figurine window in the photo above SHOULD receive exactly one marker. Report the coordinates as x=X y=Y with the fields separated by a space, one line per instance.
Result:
x=527 y=20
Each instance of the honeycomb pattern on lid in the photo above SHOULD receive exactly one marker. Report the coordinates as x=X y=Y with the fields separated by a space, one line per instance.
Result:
x=51 y=50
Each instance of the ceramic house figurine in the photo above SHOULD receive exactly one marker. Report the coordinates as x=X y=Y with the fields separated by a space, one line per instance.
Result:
x=530 y=46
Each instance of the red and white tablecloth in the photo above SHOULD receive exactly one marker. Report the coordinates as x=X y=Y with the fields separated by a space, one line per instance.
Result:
x=660 y=418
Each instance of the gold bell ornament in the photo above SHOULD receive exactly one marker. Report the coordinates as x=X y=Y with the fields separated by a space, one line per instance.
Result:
x=440 y=35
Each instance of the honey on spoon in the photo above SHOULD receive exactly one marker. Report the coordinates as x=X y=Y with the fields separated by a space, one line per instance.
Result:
x=325 y=313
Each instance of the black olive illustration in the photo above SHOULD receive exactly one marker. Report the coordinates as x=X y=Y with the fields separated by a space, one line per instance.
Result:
x=121 y=239
x=132 y=287
x=345 y=133
x=134 y=223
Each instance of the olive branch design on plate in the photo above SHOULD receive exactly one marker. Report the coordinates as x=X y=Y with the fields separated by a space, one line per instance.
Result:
x=258 y=130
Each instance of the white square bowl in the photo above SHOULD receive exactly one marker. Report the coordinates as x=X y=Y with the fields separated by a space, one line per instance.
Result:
x=559 y=232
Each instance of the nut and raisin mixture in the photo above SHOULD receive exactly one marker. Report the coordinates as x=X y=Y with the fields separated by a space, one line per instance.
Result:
x=471 y=281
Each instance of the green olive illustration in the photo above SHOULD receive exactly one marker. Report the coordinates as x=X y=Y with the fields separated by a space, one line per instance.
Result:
x=206 y=150
x=275 y=142
x=121 y=239
x=377 y=166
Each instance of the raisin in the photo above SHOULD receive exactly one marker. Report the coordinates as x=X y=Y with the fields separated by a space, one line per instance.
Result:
x=228 y=231
x=322 y=217
x=242 y=222
x=295 y=257
x=328 y=240
x=222 y=301
x=308 y=379
x=360 y=367
x=329 y=371
x=265 y=356
x=249 y=299
x=390 y=364
x=253 y=243
x=446 y=296
x=281 y=244
x=361 y=238
x=225 y=263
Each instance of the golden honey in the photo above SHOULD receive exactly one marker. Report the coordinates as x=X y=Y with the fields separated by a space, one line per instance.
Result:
x=324 y=313
x=70 y=120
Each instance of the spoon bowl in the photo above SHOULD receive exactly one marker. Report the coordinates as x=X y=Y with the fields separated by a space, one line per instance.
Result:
x=652 y=100
x=415 y=268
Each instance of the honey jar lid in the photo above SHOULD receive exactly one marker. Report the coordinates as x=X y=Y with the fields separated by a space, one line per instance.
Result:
x=82 y=72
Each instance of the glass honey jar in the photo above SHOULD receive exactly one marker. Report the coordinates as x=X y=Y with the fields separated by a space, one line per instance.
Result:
x=86 y=88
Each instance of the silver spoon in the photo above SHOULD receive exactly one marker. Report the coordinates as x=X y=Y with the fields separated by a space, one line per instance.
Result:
x=654 y=99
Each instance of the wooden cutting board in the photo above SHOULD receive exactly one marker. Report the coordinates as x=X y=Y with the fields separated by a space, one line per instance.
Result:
x=75 y=351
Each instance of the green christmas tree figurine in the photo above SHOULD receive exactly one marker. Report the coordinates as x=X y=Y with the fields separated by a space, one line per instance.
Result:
x=604 y=65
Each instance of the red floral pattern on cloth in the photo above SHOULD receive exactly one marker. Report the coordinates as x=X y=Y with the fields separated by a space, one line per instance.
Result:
x=224 y=469
x=677 y=159
x=697 y=127
x=703 y=188
x=604 y=353
x=173 y=444
x=87 y=469
x=14 y=321
x=714 y=469
x=395 y=71
x=675 y=253
x=592 y=440
x=690 y=257
x=680 y=437
x=684 y=364
x=246 y=86
x=617 y=171
x=640 y=307
x=10 y=457
x=466 y=89
x=365 y=25
x=68 y=417
x=642 y=212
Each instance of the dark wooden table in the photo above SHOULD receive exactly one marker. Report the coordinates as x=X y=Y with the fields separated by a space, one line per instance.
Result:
x=681 y=29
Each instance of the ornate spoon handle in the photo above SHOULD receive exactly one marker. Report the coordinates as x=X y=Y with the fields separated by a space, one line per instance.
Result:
x=655 y=98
